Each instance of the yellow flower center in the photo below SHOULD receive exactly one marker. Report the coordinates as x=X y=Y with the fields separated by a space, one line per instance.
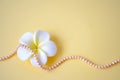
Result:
x=36 y=48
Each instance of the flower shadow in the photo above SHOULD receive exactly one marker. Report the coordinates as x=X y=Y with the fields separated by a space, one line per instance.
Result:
x=52 y=60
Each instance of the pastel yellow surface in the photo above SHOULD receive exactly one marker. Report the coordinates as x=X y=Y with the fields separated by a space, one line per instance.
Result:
x=90 y=28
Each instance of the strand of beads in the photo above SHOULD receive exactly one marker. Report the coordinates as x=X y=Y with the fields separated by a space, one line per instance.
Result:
x=80 y=58
x=89 y=62
x=12 y=53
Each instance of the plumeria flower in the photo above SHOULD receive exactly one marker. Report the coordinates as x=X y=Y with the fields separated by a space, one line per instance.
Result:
x=40 y=43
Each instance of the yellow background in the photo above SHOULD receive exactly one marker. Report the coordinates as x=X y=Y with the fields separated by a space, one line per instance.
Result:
x=90 y=28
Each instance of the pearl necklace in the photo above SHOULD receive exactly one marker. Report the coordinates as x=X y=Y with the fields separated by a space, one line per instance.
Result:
x=73 y=57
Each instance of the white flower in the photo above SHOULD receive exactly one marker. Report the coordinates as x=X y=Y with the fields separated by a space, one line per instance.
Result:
x=40 y=43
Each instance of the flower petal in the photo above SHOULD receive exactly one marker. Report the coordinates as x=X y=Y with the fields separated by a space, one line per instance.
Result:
x=34 y=62
x=26 y=39
x=49 y=47
x=42 y=57
x=23 y=54
x=40 y=36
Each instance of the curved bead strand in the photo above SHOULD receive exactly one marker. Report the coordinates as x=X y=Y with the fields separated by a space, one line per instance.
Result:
x=73 y=57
